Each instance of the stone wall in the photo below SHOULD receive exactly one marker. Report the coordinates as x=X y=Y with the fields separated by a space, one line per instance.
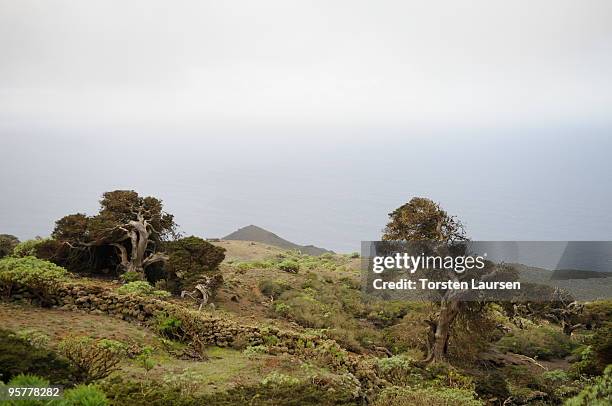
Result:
x=204 y=327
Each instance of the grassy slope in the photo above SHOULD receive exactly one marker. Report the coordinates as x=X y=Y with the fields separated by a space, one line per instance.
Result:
x=224 y=368
x=239 y=299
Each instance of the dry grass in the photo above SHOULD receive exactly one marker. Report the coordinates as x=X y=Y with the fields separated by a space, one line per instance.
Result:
x=58 y=324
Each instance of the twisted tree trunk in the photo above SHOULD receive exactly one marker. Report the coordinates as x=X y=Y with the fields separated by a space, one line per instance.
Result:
x=138 y=233
x=439 y=334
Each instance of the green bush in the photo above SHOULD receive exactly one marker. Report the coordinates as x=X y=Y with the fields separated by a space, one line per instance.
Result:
x=602 y=346
x=93 y=359
x=18 y=356
x=30 y=381
x=492 y=385
x=84 y=395
x=33 y=337
x=141 y=288
x=398 y=396
x=168 y=326
x=597 y=394
x=40 y=277
x=255 y=350
x=289 y=266
x=596 y=354
x=190 y=260
x=273 y=289
x=28 y=248
x=399 y=371
x=542 y=342
x=586 y=363
x=130 y=276
x=7 y=244
x=597 y=313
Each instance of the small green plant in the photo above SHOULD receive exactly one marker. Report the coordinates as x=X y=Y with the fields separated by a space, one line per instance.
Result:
x=28 y=380
x=130 y=276
x=282 y=309
x=289 y=266
x=114 y=346
x=141 y=288
x=84 y=395
x=277 y=379
x=186 y=382
x=255 y=350
x=34 y=337
x=145 y=360
x=168 y=326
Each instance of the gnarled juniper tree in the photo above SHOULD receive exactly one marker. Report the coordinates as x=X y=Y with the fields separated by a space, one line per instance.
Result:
x=132 y=227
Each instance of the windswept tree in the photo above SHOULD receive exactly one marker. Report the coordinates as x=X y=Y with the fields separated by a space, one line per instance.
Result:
x=422 y=220
x=128 y=225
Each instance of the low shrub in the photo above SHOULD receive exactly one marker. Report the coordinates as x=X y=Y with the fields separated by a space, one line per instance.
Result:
x=28 y=248
x=8 y=243
x=255 y=350
x=130 y=276
x=599 y=393
x=33 y=337
x=402 y=396
x=542 y=343
x=289 y=266
x=168 y=326
x=93 y=359
x=30 y=381
x=273 y=289
x=602 y=346
x=40 y=277
x=141 y=288
x=597 y=313
x=407 y=335
x=596 y=354
x=492 y=385
x=84 y=395
x=124 y=392
x=399 y=371
x=586 y=363
x=523 y=376
x=145 y=360
x=18 y=356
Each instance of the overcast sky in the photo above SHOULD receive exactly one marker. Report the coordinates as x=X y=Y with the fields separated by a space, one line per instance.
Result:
x=312 y=119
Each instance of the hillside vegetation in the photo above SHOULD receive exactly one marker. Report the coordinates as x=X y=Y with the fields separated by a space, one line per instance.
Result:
x=240 y=322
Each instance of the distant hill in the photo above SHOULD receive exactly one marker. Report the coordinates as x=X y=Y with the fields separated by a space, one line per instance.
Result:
x=564 y=274
x=258 y=234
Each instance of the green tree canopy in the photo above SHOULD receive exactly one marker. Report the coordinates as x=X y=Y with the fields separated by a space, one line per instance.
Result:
x=130 y=226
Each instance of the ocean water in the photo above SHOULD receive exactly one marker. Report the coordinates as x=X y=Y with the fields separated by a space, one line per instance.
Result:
x=330 y=188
